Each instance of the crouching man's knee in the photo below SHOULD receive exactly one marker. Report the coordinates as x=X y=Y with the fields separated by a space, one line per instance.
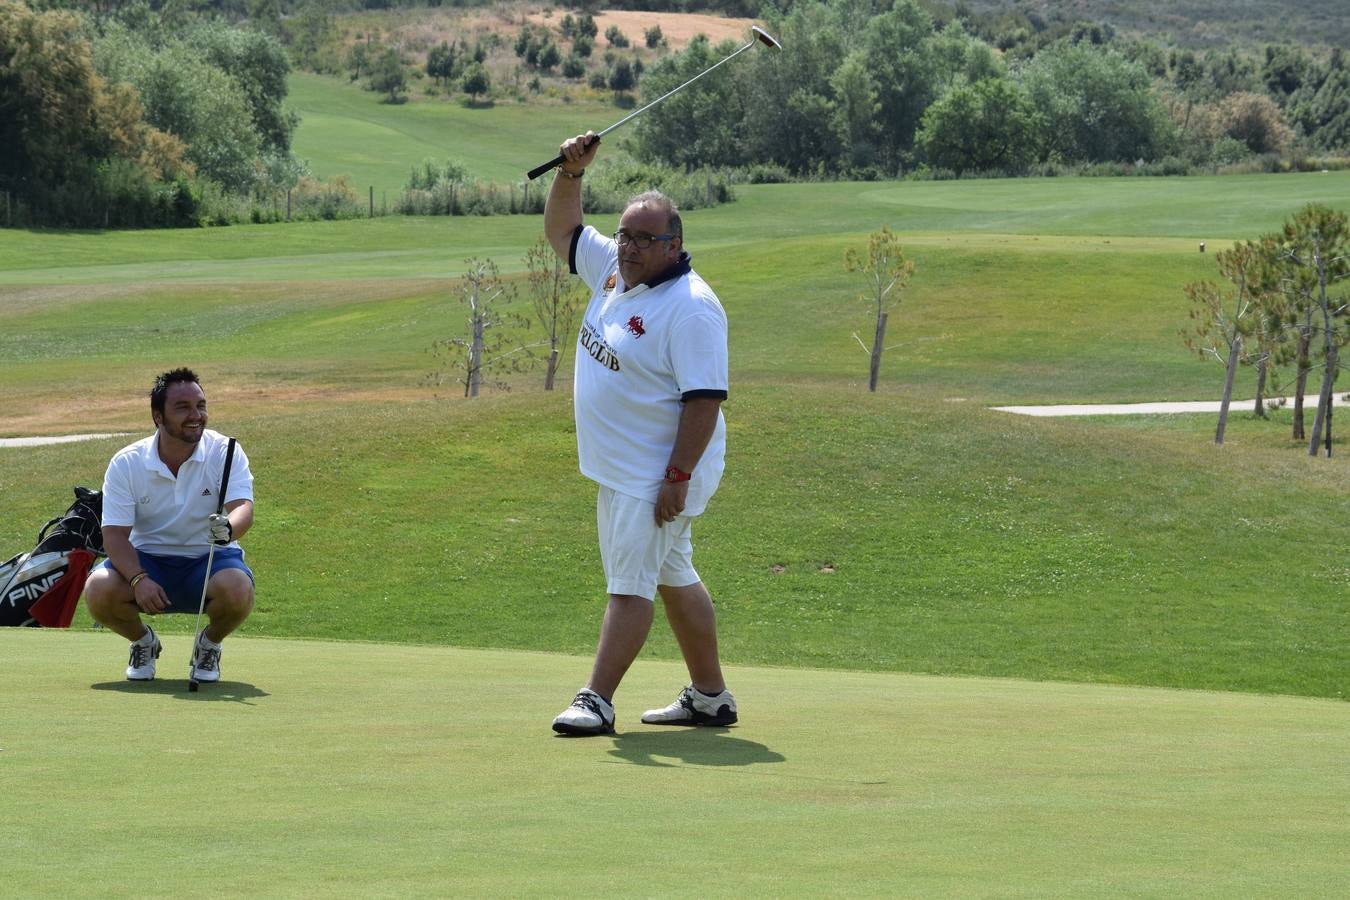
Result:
x=104 y=591
x=230 y=593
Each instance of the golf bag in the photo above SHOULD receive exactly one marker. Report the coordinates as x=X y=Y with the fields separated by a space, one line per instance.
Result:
x=43 y=587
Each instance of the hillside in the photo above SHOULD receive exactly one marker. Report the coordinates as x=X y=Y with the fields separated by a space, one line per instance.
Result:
x=1197 y=23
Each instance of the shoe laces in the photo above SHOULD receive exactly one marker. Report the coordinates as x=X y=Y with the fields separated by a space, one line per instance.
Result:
x=587 y=701
x=139 y=655
x=207 y=658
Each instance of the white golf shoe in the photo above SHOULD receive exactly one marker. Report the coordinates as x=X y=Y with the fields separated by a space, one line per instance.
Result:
x=205 y=659
x=144 y=652
x=589 y=714
x=693 y=707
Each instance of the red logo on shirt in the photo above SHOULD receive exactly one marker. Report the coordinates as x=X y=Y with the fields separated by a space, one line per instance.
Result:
x=610 y=282
x=634 y=327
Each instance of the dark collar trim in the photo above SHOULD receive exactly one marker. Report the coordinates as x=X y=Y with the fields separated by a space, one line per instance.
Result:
x=679 y=268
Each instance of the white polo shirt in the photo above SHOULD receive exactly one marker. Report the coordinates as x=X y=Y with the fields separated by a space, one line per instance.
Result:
x=639 y=353
x=168 y=515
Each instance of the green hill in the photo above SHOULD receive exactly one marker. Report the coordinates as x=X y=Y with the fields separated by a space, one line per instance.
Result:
x=345 y=130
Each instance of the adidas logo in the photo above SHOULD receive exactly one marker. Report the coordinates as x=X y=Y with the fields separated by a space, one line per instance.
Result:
x=206 y=492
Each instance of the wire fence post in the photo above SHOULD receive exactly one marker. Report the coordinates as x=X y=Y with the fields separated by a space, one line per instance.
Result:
x=372 y=201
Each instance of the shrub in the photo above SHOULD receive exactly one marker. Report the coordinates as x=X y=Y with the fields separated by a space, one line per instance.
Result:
x=573 y=67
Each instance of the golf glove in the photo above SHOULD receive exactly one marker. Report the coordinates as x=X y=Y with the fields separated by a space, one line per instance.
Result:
x=221 y=532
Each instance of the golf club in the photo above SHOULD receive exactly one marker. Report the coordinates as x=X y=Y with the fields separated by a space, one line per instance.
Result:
x=761 y=36
x=210 y=557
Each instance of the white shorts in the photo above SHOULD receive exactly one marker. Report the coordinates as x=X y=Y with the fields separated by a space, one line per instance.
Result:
x=636 y=554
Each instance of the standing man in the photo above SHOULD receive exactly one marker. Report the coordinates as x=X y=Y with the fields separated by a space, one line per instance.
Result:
x=651 y=374
x=159 y=511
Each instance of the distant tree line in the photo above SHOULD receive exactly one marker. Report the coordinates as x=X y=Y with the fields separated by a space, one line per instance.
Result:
x=137 y=118
x=146 y=112
x=877 y=88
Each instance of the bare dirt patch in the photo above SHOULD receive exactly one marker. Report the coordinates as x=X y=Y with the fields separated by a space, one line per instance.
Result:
x=429 y=27
x=50 y=417
x=677 y=28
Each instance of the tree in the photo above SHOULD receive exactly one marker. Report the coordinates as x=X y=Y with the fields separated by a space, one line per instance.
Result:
x=693 y=128
x=653 y=37
x=488 y=349
x=441 y=63
x=1315 y=247
x=258 y=64
x=1256 y=121
x=1222 y=317
x=476 y=81
x=780 y=106
x=556 y=300
x=615 y=37
x=885 y=270
x=202 y=105
x=389 y=75
x=549 y=56
x=47 y=94
x=856 y=110
x=621 y=77
x=1097 y=106
x=986 y=126
x=573 y=67
x=359 y=59
x=74 y=148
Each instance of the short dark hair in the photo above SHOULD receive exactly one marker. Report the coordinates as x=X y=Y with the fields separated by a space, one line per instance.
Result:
x=161 y=387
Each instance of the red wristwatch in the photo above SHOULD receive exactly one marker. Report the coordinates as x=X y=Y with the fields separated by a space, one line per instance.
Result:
x=674 y=475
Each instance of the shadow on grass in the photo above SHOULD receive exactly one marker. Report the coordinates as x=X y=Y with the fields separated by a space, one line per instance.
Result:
x=230 y=691
x=691 y=746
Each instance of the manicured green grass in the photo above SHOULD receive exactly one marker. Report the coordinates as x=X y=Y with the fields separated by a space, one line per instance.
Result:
x=349 y=769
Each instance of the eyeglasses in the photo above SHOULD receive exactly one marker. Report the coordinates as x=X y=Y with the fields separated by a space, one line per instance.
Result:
x=641 y=240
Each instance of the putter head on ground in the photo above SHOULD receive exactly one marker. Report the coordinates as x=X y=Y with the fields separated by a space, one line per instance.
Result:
x=765 y=38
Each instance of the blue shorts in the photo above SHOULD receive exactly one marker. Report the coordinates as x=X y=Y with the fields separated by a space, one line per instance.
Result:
x=181 y=576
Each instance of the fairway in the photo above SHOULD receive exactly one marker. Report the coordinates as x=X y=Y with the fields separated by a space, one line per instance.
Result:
x=348 y=131
x=368 y=770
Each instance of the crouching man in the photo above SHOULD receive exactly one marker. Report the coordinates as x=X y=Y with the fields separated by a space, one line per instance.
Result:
x=159 y=513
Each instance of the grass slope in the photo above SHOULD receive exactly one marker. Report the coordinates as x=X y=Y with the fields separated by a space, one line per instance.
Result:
x=382 y=771
x=345 y=130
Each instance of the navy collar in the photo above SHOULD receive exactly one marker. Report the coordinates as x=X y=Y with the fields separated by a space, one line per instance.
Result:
x=678 y=268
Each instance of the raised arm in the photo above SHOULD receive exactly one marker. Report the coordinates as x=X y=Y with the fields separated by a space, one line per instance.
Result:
x=562 y=209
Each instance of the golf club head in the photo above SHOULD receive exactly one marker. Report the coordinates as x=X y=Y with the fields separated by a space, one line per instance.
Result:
x=765 y=38
x=192 y=686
